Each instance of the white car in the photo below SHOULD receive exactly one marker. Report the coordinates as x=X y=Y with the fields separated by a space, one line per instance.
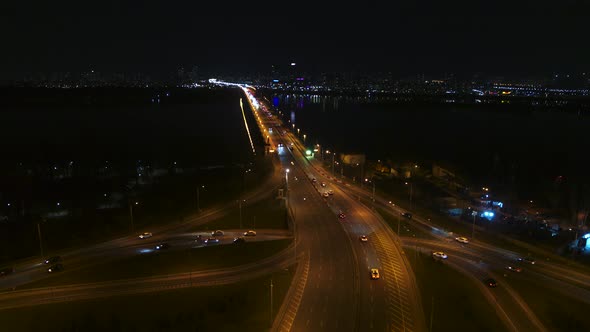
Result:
x=325 y=194
x=250 y=233
x=145 y=235
x=439 y=254
x=462 y=239
x=364 y=238
x=217 y=233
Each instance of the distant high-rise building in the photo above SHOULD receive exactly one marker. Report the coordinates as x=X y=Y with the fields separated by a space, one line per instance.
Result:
x=194 y=74
x=182 y=76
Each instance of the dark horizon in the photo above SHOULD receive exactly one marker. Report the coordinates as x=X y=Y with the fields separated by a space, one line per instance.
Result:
x=157 y=39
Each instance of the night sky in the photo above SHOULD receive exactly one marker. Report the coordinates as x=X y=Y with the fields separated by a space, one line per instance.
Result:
x=431 y=37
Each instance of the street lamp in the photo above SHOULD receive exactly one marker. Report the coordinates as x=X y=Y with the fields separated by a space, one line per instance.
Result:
x=411 y=189
x=131 y=214
x=333 y=162
x=240 y=207
x=271 y=286
x=474 y=214
x=287 y=176
x=304 y=136
x=244 y=178
x=199 y=197
x=40 y=243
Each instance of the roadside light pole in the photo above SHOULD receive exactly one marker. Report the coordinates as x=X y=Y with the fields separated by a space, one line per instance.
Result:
x=40 y=243
x=373 y=181
x=287 y=179
x=474 y=214
x=411 y=189
x=131 y=215
x=362 y=172
x=333 y=156
x=271 y=285
x=240 y=207
x=199 y=197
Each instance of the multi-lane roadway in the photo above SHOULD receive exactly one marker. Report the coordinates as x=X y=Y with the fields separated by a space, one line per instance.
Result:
x=336 y=290
x=340 y=293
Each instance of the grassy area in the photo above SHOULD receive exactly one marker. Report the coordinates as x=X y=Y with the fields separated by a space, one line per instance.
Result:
x=267 y=213
x=244 y=306
x=161 y=263
x=556 y=311
x=457 y=300
x=406 y=228
x=168 y=199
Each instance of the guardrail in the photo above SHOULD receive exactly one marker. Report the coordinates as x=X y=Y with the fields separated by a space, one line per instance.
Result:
x=286 y=316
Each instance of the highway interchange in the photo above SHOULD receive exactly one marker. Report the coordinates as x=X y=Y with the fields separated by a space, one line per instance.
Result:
x=336 y=291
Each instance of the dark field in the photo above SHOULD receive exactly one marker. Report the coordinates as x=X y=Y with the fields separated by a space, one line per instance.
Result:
x=73 y=160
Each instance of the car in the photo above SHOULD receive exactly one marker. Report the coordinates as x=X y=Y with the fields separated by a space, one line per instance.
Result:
x=440 y=255
x=55 y=268
x=211 y=240
x=375 y=274
x=6 y=271
x=145 y=235
x=250 y=233
x=529 y=260
x=407 y=215
x=162 y=246
x=325 y=194
x=323 y=184
x=239 y=240
x=341 y=215
x=514 y=268
x=364 y=238
x=330 y=192
x=314 y=180
x=217 y=233
x=53 y=260
x=490 y=282
x=462 y=239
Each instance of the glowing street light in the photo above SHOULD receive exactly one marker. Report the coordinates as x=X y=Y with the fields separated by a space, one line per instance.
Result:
x=199 y=197
x=411 y=189
x=131 y=214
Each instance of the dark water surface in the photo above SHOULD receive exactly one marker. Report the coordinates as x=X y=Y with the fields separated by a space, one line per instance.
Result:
x=199 y=127
x=483 y=142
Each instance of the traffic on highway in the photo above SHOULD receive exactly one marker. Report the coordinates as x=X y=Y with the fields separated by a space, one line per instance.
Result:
x=353 y=268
